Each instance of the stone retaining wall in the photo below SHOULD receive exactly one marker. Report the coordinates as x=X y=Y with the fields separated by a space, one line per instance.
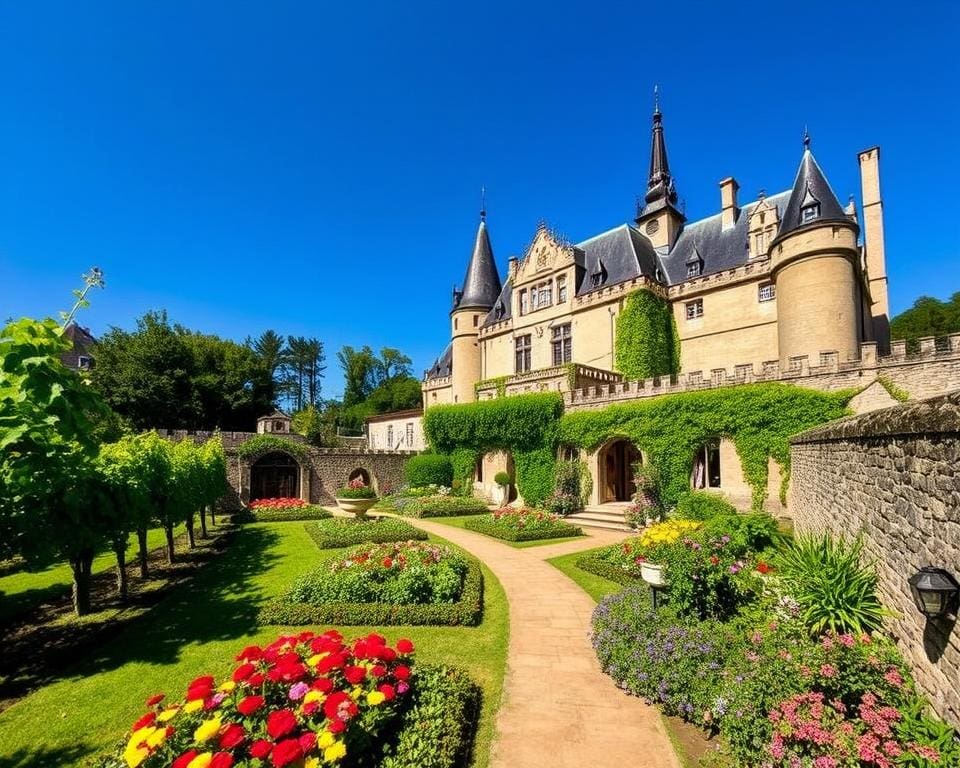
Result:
x=893 y=475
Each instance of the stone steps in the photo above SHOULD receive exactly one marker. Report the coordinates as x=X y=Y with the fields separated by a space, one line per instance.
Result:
x=609 y=516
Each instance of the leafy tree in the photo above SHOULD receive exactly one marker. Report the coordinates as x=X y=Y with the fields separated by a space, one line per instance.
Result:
x=927 y=317
x=318 y=423
x=359 y=366
x=268 y=347
x=303 y=371
x=214 y=483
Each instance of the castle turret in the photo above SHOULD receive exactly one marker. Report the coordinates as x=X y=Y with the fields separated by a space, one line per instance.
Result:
x=815 y=264
x=471 y=303
x=658 y=217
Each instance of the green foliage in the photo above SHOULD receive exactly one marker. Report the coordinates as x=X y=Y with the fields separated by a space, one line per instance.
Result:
x=927 y=317
x=835 y=589
x=433 y=506
x=357 y=491
x=466 y=611
x=436 y=731
x=262 y=444
x=500 y=382
x=536 y=474
x=759 y=418
x=429 y=469
x=898 y=394
x=567 y=496
x=463 y=460
x=522 y=525
x=287 y=515
x=317 y=424
x=646 y=339
x=502 y=478
x=598 y=566
x=344 y=532
x=918 y=728
x=703 y=505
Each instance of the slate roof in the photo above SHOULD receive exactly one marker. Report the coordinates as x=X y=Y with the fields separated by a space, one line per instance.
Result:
x=502 y=307
x=810 y=186
x=481 y=284
x=717 y=248
x=618 y=255
x=442 y=366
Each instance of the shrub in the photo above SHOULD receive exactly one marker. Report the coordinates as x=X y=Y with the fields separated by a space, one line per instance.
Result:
x=467 y=611
x=356 y=489
x=429 y=469
x=346 y=532
x=438 y=506
x=592 y=563
x=523 y=524
x=502 y=478
x=703 y=505
x=567 y=496
x=310 y=696
x=563 y=504
x=283 y=514
x=834 y=589
x=930 y=742
x=756 y=532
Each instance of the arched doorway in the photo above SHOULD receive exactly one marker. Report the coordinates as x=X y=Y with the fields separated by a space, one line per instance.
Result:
x=275 y=476
x=616 y=471
x=706 y=466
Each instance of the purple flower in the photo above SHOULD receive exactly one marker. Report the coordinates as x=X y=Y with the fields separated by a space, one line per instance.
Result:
x=298 y=691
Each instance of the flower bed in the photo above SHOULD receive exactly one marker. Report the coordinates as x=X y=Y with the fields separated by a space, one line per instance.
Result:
x=306 y=701
x=356 y=489
x=277 y=503
x=344 y=532
x=282 y=510
x=522 y=524
x=400 y=583
x=433 y=506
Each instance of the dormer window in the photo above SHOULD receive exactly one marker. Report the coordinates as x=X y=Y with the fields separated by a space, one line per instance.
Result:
x=693 y=269
x=595 y=280
x=809 y=212
x=598 y=275
x=499 y=310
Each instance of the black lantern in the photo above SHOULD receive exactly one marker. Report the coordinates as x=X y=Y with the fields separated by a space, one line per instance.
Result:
x=935 y=592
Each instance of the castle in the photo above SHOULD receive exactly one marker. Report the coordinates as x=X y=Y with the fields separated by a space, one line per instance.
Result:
x=781 y=281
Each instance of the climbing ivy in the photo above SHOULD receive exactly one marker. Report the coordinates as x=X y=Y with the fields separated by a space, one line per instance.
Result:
x=758 y=418
x=499 y=381
x=647 y=343
x=524 y=425
x=267 y=443
x=898 y=394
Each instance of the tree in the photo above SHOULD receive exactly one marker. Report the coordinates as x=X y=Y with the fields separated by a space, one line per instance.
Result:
x=303 y=370
x=927 y=317
x=359 y=367
x=268 y=347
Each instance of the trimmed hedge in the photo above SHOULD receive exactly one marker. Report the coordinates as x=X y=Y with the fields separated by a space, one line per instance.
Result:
x=344 y=532
x=466 y=612
x=433 y=506
x=703 y=505
x=489 y=527
x=437 y=729
x=291 y=515
x=429 y=469
x=599 y=567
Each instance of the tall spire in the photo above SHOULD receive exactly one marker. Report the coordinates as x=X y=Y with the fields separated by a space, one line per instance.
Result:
x=660 y=187
x=481 y=284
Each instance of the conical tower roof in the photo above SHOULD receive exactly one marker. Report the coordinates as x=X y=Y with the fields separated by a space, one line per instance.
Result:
x=481 y=284
x=810 y=190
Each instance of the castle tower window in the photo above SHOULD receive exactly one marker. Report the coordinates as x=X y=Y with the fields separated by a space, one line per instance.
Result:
x=522 y=348
x=562 y=343
x=524 y=302
x=694 y=309
x=767 y=292
x=561 y=289
x=810 y=212
x=542 y=294
x=476 y=320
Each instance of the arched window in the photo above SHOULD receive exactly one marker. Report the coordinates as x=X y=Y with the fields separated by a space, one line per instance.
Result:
x=706 y=466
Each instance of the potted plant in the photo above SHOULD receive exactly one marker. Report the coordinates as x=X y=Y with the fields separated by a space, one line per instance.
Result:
x=502 y=494
x=356 y=498
x=653 y=565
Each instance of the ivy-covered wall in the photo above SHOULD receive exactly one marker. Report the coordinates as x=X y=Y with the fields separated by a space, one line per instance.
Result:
x=758 y=418
x=647 y=343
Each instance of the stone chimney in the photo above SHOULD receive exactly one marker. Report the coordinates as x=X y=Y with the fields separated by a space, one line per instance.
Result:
x=728 y=202
x=512 y=263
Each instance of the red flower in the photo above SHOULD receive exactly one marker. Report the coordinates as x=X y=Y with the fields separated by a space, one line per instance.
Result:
x=222 y=760
x=387 y=562
x=714 y=560
x=338 y=704
x=386 y=654
x=378 y=671
x=147 y=719
x=244 y=671
x=374 y=639
x=154 y=700
x=232 y=737
x=260 y=749
x=249 y=705
x=280 y=723
x=404 y=646
x=286 y=752
x=184 y=760
x=355 y=675
x=206 y=681
x=200 y=689
x=763 y=567
x=256 y=680
x=337 y=725
x=388 y=691
x=308 y=741
x=250 y=653
x=322 y=684
x=402 y=672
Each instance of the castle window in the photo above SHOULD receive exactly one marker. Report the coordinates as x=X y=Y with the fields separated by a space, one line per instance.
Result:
x=498 y=313
x=706 y=466
x=410 y=435
x=694 y=309
x=595 y=280
x=455 y=323
x=693 y=269
x=809 y=212
x=542 y=295
x=389 y=436
x=767 y=292
x=562 y=343
x=522 y=353
x=524 y=302
x=476 y=320
x=561 y=289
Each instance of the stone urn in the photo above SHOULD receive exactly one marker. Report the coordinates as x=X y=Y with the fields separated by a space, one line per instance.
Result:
x=356 y=507
x=654 y=574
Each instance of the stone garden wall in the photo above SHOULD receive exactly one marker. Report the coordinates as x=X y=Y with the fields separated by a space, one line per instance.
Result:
x=894 y=475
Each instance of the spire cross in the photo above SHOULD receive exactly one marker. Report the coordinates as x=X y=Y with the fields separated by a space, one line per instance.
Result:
x=806 y=138
x=483 y=203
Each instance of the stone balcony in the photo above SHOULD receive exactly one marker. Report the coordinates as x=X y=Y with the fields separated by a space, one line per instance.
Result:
x=559 y=378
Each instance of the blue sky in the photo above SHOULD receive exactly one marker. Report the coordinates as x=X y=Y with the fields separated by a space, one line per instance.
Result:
x=315 y=168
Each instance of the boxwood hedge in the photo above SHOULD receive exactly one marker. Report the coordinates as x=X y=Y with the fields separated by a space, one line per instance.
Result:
x=488 y=526
x=289 y=515
x=347 y=532
x=429 y=469
x=599 y=567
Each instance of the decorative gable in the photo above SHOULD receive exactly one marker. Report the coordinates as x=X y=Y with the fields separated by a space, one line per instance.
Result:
x=548 y=253
x=762 y=228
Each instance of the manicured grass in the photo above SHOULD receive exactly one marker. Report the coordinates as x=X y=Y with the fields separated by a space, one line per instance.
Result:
x=23 y=590
x=595 y=586
x=460 y=522
x=198 y=629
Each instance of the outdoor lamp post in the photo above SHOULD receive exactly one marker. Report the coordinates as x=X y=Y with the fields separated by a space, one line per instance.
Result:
x=934 y=591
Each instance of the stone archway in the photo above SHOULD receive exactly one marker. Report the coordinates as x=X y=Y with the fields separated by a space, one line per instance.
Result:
x=275 y=475
x=369 y=479
x=615 y=465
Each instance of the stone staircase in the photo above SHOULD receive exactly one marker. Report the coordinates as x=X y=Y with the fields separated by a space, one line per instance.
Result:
x=608 y=516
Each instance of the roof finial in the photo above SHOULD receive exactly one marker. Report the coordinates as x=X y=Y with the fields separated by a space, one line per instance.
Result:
x=806 y=138
x=656 y=99
x=483 y=203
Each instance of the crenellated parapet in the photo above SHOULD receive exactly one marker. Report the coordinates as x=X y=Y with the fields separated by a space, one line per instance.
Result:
x=932 y=369
x=559 y=378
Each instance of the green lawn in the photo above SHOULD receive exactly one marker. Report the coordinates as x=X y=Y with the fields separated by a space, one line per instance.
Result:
x=197 y=630
x=459 y=522
x=595 y=586
x=22 y=590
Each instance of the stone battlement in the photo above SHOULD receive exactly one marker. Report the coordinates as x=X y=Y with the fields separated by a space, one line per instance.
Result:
x=933 y=370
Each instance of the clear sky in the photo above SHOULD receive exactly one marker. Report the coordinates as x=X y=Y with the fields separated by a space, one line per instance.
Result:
x=315 y=167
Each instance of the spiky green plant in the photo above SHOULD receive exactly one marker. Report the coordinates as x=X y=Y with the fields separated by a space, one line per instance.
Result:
x=835 y=587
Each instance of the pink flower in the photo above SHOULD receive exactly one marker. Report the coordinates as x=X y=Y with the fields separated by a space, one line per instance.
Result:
x=893 y=677
x=828 y=670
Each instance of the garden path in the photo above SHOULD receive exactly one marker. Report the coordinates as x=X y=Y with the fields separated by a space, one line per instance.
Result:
x=558 y=708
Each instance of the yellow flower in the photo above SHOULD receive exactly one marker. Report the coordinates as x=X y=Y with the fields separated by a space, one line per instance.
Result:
x=312 y=762
x=167 y=714
x=375 y=697
x=326 y=739
x=134 y=754
x=208 y=730
x=228 y=686
x=157 y=738
x=313 y=695
x=356 y=692
x=201 y=761
x=193 y=706
x=330 y=755
x=314 y=660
